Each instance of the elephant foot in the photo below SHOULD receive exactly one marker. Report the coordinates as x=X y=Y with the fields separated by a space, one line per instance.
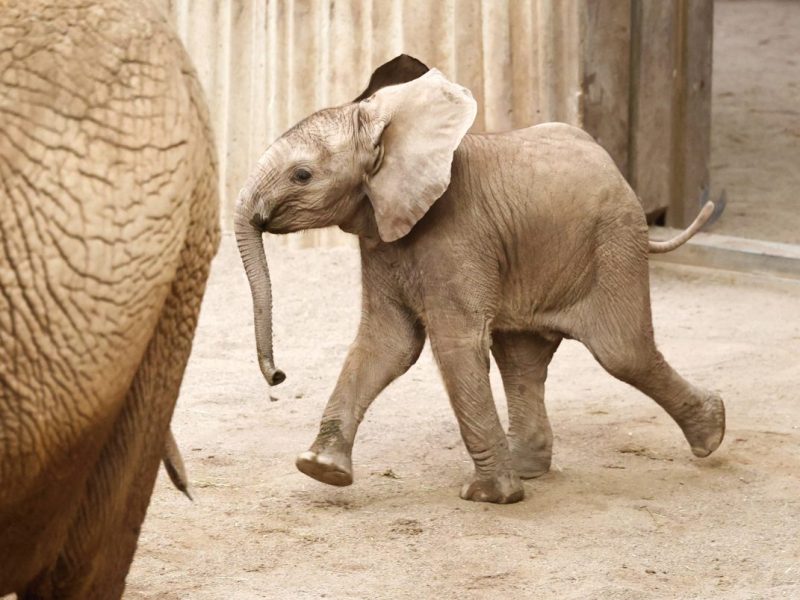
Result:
x=502 y=488
x=333 y=468
x=705 y=429
x=530 y=465
x=530 y=458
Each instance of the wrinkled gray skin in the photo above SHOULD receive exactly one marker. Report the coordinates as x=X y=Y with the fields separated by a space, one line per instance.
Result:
x=537 y=238
x=109 y=221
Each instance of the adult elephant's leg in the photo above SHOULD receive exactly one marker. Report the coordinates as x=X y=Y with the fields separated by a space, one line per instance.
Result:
x=622 y=341
x=461 y=348
x=388 y=342
x=102 y=540
x=523 y=359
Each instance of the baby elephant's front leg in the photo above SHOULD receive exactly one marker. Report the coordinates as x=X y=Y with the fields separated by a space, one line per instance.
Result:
x=464 y=364
x=385 y=347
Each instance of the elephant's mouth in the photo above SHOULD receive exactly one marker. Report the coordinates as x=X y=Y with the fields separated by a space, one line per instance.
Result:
x=259 y=223
x=276 y=221
x=269 y=224
x=272 y=227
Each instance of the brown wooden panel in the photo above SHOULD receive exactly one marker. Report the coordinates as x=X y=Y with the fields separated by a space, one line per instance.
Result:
x=692 y=144
x=691 y=135
x=605 y=26
x=653 y=41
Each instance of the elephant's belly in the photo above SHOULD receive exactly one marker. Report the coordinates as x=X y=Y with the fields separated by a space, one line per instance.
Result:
x=548 y=324
x=546 y=299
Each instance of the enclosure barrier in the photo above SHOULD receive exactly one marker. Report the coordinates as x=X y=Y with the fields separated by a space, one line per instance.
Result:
x=636 y=74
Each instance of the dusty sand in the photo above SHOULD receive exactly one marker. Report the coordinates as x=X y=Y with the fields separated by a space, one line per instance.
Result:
x=755 y=133
x=627 y=511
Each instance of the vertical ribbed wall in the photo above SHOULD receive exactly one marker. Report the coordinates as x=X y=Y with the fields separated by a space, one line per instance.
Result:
x=265 y=64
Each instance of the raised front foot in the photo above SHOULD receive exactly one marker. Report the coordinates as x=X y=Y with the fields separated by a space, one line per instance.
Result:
x=330 y=468
x=530 y=458
x=705 y=429
x=503 y=488
x=328 y=460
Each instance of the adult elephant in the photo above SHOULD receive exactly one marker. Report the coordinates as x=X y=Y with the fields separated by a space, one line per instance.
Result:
x=109 y=223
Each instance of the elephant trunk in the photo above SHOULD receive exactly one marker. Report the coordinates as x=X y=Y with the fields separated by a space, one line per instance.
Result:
x=251 y=249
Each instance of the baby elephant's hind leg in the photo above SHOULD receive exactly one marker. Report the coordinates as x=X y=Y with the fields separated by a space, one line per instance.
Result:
x=624 y=345
x=699 y=413
x=523 y=359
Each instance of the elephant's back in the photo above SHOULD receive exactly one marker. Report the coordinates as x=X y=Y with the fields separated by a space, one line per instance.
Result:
x=104 y=137
x=560 y=210
x=553 y=130
x=556 y=169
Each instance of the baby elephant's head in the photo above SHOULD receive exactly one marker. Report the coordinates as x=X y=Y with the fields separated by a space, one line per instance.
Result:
x=394 y=147
x=391 y=151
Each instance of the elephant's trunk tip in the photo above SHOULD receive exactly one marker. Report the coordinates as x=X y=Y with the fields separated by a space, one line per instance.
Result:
x=271 y=374
x=277 y=376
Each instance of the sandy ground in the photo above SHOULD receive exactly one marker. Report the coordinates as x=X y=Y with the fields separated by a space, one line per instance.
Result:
x=755 y=134
x=627 y=512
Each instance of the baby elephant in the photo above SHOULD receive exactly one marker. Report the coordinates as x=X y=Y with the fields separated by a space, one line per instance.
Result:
x=504 y=243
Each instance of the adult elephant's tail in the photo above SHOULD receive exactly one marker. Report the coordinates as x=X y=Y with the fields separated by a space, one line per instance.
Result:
x=659 y=247
x=173 y=464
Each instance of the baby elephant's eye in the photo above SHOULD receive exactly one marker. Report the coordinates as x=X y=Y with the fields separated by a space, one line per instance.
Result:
x=301 y=175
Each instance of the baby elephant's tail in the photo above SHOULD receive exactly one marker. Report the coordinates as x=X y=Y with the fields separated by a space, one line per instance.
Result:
x=685 y=235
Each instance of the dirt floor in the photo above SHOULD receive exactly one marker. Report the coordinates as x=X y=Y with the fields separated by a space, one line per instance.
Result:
x=627 y=511
x=755 y=134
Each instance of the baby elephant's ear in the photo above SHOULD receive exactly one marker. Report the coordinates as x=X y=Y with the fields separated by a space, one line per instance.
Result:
x=419 y=124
